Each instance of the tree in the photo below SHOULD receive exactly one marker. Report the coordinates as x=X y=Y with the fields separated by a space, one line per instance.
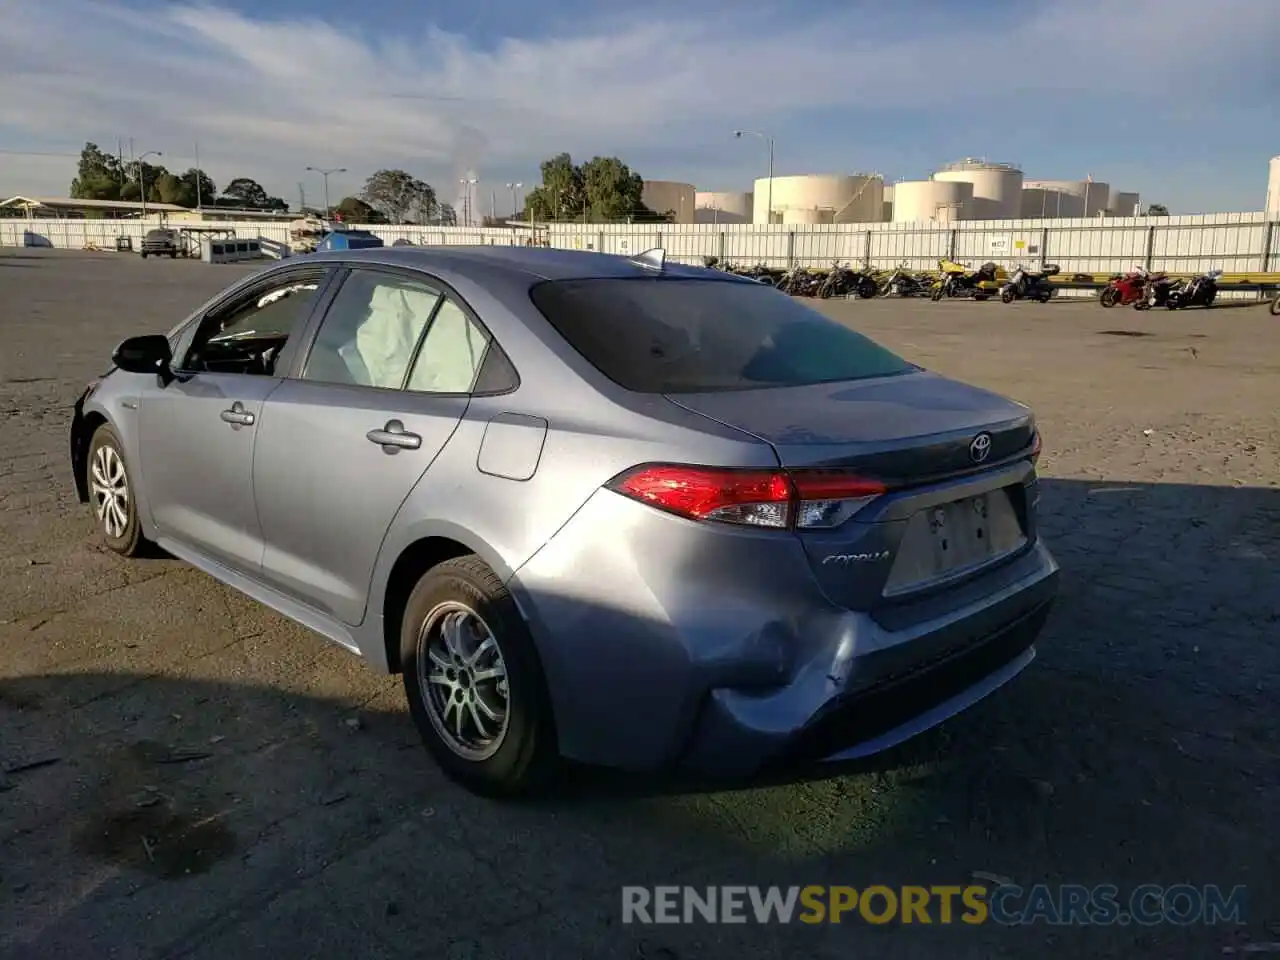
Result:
x=243 y=192
x=446 y=216
x=1157 y=210
x=172 y=189
x=99 y=176
x=355 y=210
x=207 y=192
x=603 y=188
x=398 y=196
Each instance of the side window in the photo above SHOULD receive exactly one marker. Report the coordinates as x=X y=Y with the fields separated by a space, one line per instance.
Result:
x=451 y=354
x=369 y=332
x=248 y=336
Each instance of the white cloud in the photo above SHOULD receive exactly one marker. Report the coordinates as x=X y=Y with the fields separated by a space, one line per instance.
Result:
x=265 y=98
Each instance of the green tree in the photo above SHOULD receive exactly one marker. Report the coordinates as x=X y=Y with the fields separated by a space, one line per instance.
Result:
x=355 y=210
x=173 y=189
x=247 y=193
x=207 y=192
x=399 y=196
x=1157 y=210
x=98 y=177
x=603 y=188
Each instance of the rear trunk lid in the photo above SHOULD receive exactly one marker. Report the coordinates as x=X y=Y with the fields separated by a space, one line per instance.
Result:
x=955 y=458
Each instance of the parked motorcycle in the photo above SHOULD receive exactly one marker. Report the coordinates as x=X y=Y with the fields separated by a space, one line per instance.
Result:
x=800 y=282
x=1275 y=304
x=841 y=281
x=957 y=280
x=1030 y=284
x=1198 y=292
x=1156 y=291
x=902 y=283
x=1128 y=288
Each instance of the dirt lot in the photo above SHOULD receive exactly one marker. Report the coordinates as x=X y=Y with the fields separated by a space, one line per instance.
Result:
x=220 y=783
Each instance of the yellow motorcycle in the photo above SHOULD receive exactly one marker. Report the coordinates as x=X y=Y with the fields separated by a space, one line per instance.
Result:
x=957 y=280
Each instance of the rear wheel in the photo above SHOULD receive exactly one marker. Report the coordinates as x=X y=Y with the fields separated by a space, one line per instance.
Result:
x=866 y=288
x=1275 y=305
x=111 y=493
x=474 y=683
x=1109 y=297
x=1006 y=296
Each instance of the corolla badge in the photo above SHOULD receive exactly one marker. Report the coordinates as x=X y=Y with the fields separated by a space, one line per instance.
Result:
x=980 y=447
x=845 y=559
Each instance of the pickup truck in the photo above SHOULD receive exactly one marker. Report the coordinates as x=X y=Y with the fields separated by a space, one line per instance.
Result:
x=160 y=242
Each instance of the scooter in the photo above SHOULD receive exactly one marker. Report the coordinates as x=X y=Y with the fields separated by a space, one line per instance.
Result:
x=1127 y=289
x=1199 y=292
x=1030 y=284
x=957 y=280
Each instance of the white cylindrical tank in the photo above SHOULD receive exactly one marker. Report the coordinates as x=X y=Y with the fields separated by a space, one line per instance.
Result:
x=1040 y=202
x=799 y=216
x=888 y=203
x=920 y=201
x=1094 y=194
x=1273 y=187
x=1124 y=204
x=854 y=198
x=662 y=196
x=997 y=187
x=723 y=206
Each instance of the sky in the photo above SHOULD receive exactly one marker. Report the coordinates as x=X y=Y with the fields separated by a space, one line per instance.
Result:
x=1174 y=99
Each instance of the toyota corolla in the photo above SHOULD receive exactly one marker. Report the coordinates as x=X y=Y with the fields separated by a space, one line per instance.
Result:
x=611 y=509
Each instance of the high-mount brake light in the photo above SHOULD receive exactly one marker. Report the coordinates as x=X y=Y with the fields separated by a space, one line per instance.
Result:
x=760 y=498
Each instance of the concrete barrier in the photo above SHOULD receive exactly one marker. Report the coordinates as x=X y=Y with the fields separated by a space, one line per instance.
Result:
x=230 y=251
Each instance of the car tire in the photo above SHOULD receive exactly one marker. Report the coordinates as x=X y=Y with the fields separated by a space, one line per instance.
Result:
x=491 y=658
x=113 y=495
x=143 y=255
x=173 y=254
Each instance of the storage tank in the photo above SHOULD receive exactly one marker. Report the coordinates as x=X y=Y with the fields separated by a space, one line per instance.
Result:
x=1273 y=187
x=1124 y=204
x=1040 y=202
x=1094 y=195
x=836 y=198
x=662 y=196
x=888 y=203
x=723 y=206
x=797 y=215
x=920 y=201
x=997 y=187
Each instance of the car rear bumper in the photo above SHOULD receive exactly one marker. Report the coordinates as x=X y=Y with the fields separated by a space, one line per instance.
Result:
x=982 y=649
x=666 y=648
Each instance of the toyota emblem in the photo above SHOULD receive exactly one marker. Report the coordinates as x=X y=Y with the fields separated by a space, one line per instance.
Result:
x=980 y=447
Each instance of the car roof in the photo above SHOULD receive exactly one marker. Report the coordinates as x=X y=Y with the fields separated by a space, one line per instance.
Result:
x=533 y=263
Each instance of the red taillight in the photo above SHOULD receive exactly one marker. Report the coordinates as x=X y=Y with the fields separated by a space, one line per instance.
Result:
x=761 y=498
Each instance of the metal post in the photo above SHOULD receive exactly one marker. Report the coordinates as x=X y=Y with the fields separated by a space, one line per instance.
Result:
x=866 y=251
x=768 y=217
x=328 y=210
x=142 y=178
x=791 y=249
x=1151 y=243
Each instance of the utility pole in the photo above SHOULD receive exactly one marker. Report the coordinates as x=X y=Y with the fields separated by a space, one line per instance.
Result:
x=302 y=200
x=142 y=178
x=768 y=139
x=493 y=205
x=325 y=174
x=515 y=208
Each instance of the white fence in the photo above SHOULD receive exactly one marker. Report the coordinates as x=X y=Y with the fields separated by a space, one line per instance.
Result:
x=1232 y=242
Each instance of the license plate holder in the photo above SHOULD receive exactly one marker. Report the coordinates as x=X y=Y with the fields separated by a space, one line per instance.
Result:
x=951 y=539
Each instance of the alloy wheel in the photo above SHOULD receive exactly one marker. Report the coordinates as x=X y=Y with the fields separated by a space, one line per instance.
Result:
x=109 y=486
x=462 y=678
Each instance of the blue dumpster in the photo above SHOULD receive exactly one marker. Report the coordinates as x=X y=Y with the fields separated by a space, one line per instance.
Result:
x=349 y=240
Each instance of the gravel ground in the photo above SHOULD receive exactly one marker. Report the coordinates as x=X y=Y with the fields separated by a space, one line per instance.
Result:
x=185 y=774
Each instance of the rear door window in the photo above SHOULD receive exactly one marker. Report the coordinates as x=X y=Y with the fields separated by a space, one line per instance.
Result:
x=665 y=335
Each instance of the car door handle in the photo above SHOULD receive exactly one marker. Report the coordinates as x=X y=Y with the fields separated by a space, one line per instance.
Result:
x=395 y=436
x=237 y=416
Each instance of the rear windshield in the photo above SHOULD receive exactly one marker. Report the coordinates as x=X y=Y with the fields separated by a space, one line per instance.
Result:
x=688 y=336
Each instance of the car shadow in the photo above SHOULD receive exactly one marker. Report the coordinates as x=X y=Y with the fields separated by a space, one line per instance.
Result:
x=246 y=797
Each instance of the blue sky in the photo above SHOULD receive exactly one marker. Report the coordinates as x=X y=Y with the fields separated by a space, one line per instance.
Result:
x=1174 y=99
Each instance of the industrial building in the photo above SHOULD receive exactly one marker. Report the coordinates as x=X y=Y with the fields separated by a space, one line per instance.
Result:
x=818 y=198
x=662 y=196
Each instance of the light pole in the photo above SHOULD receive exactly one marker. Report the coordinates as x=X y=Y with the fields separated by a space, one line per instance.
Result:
x=142 y=178
x=325 y=174
x=515 y=208
x=467 y=184
x=769 y=140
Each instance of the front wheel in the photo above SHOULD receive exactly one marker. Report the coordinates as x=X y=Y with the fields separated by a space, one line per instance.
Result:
x=474 y=683
x=1006 y=296
x=1109 y=297
x=1275 y=305
x=112 y=495
x=866 y=288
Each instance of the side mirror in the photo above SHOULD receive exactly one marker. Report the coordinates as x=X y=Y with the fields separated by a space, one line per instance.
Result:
x=145 y=354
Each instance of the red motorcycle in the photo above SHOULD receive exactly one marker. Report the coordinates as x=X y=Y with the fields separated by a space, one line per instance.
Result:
x=1129 y=288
